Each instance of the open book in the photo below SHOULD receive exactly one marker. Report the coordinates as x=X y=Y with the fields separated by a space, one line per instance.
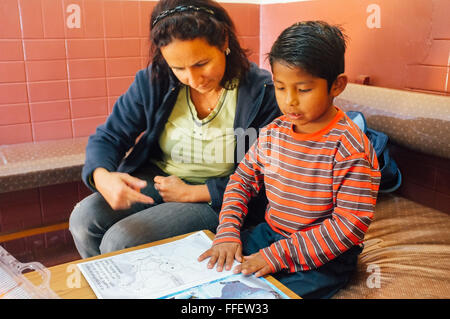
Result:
x=171 y=270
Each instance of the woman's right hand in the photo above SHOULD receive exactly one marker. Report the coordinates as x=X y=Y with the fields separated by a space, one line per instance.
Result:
x=120 y=190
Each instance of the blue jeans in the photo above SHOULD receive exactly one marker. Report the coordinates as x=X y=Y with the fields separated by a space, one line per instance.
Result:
x=322 y=282
x=97 y=228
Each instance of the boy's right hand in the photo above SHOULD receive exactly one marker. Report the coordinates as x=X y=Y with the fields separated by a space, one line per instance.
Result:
x=221 y=254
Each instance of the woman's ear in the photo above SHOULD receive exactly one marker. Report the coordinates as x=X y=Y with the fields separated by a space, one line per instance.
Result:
x=225 y=45
x=339 y=85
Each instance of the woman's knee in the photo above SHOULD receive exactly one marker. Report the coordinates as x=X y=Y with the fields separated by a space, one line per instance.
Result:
x=83 y=215
x=119 y=236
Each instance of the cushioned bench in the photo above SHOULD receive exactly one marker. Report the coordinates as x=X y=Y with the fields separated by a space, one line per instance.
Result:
x=407 y=246
x=32 y=166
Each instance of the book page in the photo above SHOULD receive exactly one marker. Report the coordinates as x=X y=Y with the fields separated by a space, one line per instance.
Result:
x=152 y=272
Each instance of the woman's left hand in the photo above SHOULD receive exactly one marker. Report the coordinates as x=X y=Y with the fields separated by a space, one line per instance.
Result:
x=172 y=188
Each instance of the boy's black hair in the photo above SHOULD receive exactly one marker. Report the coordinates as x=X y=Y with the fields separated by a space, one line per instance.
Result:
x=211 y=23
x=315 y=46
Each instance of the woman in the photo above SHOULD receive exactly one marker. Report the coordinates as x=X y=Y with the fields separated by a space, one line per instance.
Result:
x=191 y=112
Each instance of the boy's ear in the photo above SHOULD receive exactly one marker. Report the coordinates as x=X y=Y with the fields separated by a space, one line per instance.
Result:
x=339 y=85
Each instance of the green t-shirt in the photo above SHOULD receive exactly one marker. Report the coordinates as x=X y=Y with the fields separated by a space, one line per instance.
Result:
x=194 y=149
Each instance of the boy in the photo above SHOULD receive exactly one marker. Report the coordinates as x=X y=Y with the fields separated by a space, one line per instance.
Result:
x=319 y=170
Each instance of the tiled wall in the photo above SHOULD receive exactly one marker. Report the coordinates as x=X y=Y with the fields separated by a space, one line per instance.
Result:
x=63 y=63
x=399 y=44
x=60 y=82
x=38 y=207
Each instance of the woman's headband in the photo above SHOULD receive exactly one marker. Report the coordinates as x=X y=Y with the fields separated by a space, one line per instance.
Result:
x=178 y=9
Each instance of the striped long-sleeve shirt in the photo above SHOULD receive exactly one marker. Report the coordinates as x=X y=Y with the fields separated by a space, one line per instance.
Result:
x=321 y=188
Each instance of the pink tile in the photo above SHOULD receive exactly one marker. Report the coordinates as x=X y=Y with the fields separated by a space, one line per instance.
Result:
x=438 y=53
x=112 y=18
x=426 y=77
x=50 y=111
x=44 y=131
x=144 y=62
x=87 y=88
x=89 y=107
x=122 y=66
x=118 y=86
x=74 y=14
x=32 y=24
x=13 y=93
x=45 y=49
x=20 y=209
x=86 y=68
x=146 y=8
x=14 y=114
x=14 y=134
x=85 y=48
x=87 y=126
x=130 y=18
x=11 y=50
x=245 y=17
x=46 y=70
x=111 y=101
x=440 y=17
x=93 y=18
x=145 y=48
x=47 y=91
x=250 y=43
x=58 y=201
x=10 y=20
x=53 y=18
x=116 y=48
x=12 y=72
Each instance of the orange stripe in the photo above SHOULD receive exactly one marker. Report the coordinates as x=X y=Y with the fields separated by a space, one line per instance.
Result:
x=322 y=243
x=355 y=198
x=292 y=203
x=272 y=267
x=287 y=255
x=300 y=255
x=226 y=240
x=333 y=235
x=277 y=256
x=358 y=184
x=229 y=229
x=303 y=162
x=299 y=191
x=310 y=249
x=229 y=220
x=344 y=229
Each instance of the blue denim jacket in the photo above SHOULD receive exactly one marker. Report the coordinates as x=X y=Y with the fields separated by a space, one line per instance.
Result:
x=145 y=108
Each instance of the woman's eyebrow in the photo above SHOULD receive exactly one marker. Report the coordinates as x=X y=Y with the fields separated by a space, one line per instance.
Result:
x=196 y=63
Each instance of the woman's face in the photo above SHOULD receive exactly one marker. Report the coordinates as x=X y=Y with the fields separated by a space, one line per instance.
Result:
x=196 y=63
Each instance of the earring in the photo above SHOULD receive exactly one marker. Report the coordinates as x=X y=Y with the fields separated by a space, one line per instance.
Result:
x=227 y=51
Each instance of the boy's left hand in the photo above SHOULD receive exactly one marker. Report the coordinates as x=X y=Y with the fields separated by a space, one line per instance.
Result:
x=254 y=263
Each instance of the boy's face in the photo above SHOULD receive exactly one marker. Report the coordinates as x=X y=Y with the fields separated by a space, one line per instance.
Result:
x=304 y=98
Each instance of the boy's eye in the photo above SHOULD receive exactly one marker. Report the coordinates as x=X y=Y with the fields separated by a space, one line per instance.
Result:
x=279 y=88
x=304 y=90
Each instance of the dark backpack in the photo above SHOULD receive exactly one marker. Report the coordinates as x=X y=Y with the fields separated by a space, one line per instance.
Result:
x=391 y=178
